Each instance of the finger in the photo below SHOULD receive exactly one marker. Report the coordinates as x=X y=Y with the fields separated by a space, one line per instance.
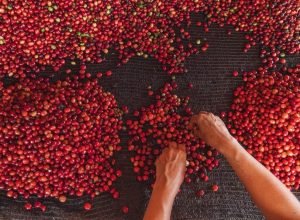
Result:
x=212 y=116
x=173 y=145
x=167 y=153
x=194 y=121
x=182 y=152
x=157 y=161
x=203 y=112
x=200 y=115
x=181 y=147
x=220 y=120
x=195 y=131
x=164 y=151
x=184 y=156
x=172 y=154
x=177 y=147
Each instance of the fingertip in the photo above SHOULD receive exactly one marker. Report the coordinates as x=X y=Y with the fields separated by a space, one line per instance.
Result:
x=195 y=132
x=181 y=147
x=203 y=113
x=212 y=115
x=156 y=161
x=173 y=144
x=220 y=119
x=164 y=150
x=193 y=119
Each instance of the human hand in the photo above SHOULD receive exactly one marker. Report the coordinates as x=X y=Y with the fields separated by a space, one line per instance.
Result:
x=212 y=130
x=170 y=168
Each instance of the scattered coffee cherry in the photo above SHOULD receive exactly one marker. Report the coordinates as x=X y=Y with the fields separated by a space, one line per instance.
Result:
x=205 y=178
x=247 y=46
x=43 y=208
x=200 y=193
x=150 y=93
x=190 y=85
x=282 y=61
x=235 y=73
x=108 y=73
x=215 y=188
x=205 y=47
x=62 y=199
x=125 y=209
x=37 y=204
x=223 y=114
x=99 y=75
x=119 y=173
x=28 y=206
x=87 y=206
x=68 y=71
x=116 y=195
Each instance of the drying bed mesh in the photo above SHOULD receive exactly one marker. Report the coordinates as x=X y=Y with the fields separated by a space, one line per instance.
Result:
x=211 y=75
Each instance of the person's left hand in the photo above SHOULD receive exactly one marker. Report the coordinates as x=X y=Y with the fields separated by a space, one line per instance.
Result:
x=171 y=167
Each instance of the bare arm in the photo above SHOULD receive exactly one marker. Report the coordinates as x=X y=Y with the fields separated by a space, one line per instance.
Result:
x=170 y=170
x=269 y=194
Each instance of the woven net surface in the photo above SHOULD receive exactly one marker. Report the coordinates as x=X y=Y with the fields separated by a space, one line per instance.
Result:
x=211 y=75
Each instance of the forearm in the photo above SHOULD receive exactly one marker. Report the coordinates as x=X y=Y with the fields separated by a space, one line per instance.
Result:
x=160 y=204
x=268 y=193
x=170 y=170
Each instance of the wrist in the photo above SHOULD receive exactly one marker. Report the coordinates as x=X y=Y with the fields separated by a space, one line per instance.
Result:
x=161 y=202
x=232 y=148
x=165 y=188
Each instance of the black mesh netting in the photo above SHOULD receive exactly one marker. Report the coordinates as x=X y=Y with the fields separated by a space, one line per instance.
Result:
x=211 y=75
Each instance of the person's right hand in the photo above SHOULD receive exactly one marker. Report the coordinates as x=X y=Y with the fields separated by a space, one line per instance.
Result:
x=170 y=168
x=212 y=130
